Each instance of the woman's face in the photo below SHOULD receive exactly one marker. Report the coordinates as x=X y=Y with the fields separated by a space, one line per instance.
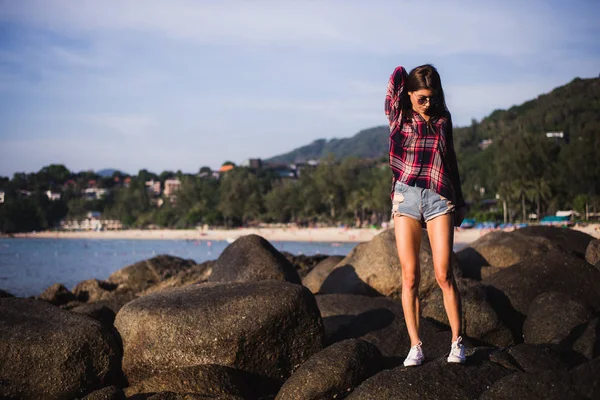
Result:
x=421 y=100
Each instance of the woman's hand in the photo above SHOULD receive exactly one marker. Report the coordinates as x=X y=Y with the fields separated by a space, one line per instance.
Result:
x=459 y=215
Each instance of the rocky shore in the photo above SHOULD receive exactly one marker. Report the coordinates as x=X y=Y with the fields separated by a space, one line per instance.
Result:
x=259 y=324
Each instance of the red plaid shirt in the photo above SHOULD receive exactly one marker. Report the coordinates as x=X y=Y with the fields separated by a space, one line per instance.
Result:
x=421 y=153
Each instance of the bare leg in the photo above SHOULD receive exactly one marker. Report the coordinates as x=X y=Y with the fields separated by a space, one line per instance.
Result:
x=408 y=241
x=441 y=237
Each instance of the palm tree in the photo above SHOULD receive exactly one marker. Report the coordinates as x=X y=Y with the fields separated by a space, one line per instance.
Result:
x=539 y=191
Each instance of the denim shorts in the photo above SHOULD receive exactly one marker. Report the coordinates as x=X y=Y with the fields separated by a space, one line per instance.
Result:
x=420 y=204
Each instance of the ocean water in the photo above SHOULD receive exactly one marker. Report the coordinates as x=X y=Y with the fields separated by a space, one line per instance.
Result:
x=28 y=266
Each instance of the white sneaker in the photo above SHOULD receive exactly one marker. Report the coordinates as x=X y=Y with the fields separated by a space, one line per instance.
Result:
x=415 y=356
x=457 y=352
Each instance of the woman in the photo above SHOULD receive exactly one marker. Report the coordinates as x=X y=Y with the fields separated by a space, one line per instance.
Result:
x=425 y=193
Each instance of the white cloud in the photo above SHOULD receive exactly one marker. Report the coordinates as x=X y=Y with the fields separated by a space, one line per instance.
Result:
x=376 y=27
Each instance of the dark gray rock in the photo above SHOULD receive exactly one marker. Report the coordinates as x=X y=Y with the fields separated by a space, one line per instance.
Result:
x=107 y=393
x=188 y=396
x=97 y=311
x=546 y=385
x=303 y=263
x=372 y=268
x=251 y=258
x=50 y=353
x=380 y=321
x=592 y=253
x=198 y=273
x=497 y=250
x=434 y=380
x=585 y=378
x=569 y=240
x=57 y=294
x=333 y=372
x=315 y=278
x=479 y=318
x=552 y=316
x=144 y=274
x=208 y=379
x=92 y=290
x=5 y=294
x=555 y=271
x=585 y=339
x=267 y=328
x=537 y=358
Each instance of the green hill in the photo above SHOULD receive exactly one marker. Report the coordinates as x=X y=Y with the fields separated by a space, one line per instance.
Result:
x=573 y=108
x=369 y=143
x=508 y=153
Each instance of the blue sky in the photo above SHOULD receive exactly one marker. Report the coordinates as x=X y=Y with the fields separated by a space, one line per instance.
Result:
x=176 y=85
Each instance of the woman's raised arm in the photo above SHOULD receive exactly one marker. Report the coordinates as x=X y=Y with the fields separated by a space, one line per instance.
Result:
x=393 y=96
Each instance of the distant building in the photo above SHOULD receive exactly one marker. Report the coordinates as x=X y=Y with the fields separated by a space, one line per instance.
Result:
x=1 y=196
x=153 y=187
x=53 y=196
x=94 y=193
x=94 y=215
x=226 y=168
x=171 y=186
x=484 y=144
x=24 y=193
x=282 y=170
x=255 y=163
x=558 y=136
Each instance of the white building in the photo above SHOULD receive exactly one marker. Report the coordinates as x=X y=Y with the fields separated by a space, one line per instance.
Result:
x=53 y=196
x=1 y=196
x=153 y=186
x=171 y=186
x=94 y=193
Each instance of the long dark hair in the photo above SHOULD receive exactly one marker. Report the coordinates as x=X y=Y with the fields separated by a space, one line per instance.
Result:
x=425 y=77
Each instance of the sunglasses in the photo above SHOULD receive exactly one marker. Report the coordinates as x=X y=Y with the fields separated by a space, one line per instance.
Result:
x=424 y=99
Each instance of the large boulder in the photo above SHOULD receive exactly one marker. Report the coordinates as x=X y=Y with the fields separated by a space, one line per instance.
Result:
x=98 y=311
x=141 y=275
x=207 y=379
x=569 y=240
x=496 y=250
x=379 y=321
x=50 y=353
x=333 y=372
x=535 y=357
x=373 y=268
x=198 y=273
x=552 y=316
x=57 y=294
x=479 y=318
x=434 y=380
x=585 y=378
x=555 y=271
x=315 y=278
x=585 y=339
x=266 y=328
x=92 y=290
x=187 y=396
x=544 y=385
x=592 y=253
x=107 y=393
x=251 y=258
x=303 y=263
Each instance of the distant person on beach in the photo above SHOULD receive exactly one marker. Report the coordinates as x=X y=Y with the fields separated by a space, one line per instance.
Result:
x=426 y=193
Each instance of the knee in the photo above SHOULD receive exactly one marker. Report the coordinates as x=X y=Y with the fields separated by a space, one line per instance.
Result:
x=445 y=280
x=410 y=281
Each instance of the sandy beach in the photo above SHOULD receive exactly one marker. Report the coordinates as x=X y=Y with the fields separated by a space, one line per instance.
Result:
x=462 y=237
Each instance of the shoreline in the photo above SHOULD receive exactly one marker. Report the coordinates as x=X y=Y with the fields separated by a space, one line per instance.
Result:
x=462 y=237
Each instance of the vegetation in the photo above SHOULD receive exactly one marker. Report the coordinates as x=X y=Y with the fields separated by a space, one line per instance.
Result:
x=520 y=171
